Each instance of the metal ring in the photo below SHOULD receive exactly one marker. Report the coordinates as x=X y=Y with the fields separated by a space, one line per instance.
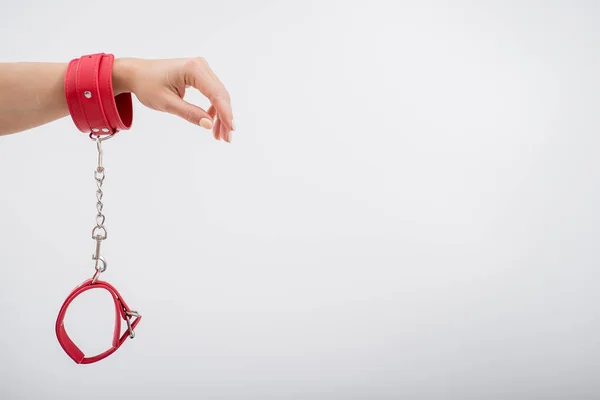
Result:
x=100 y=222
x=99 y=175
x=132 y=313
x=99 y=137
x=97 y=236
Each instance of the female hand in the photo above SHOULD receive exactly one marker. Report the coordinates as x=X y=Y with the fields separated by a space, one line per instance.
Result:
x=161 y=85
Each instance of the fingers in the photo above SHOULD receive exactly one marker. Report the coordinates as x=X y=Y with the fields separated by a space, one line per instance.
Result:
x=204 y=79
x=224 y=133
x=224 y=111
x=212 y=111
x=220 y=131
x=189 y=112
x=217 y=129
x=216 y=123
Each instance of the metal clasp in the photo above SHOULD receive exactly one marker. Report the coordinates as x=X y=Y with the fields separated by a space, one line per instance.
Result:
x=130 y=314
x=100 y=261
x=97 y=257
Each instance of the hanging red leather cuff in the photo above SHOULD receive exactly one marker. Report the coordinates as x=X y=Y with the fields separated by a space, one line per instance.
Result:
x=90 y=97
x=122 y=311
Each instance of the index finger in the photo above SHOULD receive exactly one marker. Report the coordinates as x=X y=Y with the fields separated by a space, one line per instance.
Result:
x=202 y=77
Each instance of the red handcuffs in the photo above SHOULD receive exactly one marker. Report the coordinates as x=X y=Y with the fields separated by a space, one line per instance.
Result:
x=96 y=111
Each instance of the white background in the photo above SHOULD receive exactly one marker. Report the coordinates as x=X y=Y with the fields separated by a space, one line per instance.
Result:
x=409 y=207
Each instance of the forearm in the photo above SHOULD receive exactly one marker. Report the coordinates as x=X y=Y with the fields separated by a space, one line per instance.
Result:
x=33 y=94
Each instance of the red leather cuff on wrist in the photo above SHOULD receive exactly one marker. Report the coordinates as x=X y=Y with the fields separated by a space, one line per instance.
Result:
x=90 y=97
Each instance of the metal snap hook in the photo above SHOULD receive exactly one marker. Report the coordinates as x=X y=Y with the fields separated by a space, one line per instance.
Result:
x=100 y=268
x=101 y=263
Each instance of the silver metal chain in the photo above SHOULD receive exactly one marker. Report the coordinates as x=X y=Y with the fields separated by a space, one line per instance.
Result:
x=99 y=232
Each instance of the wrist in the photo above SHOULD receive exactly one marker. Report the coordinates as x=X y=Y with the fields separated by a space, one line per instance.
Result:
x=123 y=75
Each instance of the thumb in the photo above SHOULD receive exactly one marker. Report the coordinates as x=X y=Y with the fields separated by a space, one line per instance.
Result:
x=190 y=112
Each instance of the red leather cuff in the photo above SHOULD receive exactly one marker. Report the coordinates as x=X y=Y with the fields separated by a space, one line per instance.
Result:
x=90 y=97
x=122 y=311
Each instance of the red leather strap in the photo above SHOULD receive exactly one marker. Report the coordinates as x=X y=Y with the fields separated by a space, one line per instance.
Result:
x=90 y=97
x=121 y=310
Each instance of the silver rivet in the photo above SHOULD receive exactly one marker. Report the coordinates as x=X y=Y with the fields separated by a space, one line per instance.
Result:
x=87 y=94
x=95 y=130
x=104 y=129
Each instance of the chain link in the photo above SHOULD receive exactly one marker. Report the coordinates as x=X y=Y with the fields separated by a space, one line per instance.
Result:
x=99 y=232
